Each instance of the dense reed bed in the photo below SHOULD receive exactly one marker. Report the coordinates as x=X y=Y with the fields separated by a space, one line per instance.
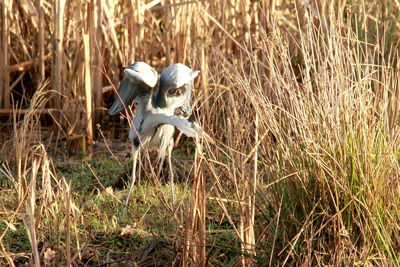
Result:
x=301 y=97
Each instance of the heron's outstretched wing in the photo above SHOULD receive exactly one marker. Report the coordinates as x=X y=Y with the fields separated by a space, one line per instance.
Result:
x=187 y=126
x=139 y=79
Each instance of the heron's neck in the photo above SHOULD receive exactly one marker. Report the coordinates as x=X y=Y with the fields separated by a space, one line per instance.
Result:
x=158 y=99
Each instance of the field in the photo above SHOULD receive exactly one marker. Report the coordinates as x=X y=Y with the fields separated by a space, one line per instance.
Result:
x=301 y=98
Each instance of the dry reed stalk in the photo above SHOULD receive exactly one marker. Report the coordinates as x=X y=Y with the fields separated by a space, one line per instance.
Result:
x=58 y=44
x=47 y=192
x=30 y=208
x=180 y=31
x=41 y=44
x=5 y=38
x=88 y=89
x=132 y=30
x=204 y=81
x=194 y=247
x=25 y=65
x=201 y=207
x=255 y=21
x=247 y=17
x=66 y=187
x=248 y=209
x=93 y=22
x=251 y=239
x=96 y=52
x=23 y=111
x=138 y=27
x=165 y=40
x=394 y=100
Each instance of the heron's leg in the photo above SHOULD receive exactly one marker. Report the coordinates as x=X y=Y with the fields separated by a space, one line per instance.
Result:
x=171 y=172
x=160 y=166
x=135 y=152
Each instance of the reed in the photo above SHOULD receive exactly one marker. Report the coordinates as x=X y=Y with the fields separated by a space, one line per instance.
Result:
x=302 y=98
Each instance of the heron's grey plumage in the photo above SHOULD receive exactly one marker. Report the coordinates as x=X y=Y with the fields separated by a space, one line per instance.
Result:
x=139 y=80
x=154 y=120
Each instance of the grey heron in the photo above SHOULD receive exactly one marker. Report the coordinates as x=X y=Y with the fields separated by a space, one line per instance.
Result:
x=154 y=120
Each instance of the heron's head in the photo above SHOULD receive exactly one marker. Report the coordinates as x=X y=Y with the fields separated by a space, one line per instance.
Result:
x=176 y=85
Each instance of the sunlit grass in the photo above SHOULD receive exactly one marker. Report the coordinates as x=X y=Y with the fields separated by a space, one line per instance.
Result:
x=315 y=182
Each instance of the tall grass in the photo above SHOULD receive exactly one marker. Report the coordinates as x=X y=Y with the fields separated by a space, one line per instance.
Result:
x=330 y=143
x=40 y=198
x=301 y=97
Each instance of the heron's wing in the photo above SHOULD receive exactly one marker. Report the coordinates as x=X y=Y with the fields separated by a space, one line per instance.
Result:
x=139 y=79
x=187 y=126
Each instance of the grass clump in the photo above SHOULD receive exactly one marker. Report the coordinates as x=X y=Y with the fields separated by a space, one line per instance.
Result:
x=301 y=97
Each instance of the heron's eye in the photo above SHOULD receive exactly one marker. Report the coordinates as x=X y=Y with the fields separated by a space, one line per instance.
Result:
x=177 y=91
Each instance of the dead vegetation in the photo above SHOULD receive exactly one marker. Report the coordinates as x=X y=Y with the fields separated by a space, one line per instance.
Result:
x=302 y=98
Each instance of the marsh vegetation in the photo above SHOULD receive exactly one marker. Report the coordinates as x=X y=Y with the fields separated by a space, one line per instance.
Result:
x=302 y=99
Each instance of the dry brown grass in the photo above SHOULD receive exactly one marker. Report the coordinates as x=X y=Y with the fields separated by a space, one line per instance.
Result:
x=302 y=98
